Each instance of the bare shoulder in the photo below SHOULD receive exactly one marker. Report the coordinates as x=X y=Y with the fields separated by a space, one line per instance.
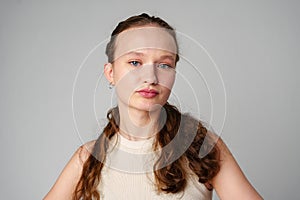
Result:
x=84 y=151
x=69 y=177
x=82 y=154
x=224 y=151
x=230 y=182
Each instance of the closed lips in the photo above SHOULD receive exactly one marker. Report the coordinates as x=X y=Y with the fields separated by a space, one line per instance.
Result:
x=148 y=93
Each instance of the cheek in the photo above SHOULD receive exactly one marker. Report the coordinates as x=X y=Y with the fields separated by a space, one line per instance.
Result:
x=166 y=79
x=128 y=81
x=126 y=84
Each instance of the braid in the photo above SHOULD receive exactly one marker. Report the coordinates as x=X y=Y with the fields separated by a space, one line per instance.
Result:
x=191 y=135
x=90 y=178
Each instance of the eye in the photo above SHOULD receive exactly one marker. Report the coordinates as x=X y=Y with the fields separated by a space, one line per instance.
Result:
x=135 y=63
x=164 y=66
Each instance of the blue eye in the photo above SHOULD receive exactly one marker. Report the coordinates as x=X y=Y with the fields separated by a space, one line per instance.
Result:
x=164 y=66
x=135 y=63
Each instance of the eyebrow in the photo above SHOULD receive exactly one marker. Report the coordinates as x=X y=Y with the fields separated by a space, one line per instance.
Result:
x=170 y=57
x=134 y=53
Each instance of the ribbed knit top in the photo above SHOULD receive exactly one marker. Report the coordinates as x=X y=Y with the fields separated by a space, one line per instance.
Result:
x=128 y=174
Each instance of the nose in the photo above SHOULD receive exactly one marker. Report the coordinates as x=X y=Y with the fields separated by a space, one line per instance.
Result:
x=149 y=74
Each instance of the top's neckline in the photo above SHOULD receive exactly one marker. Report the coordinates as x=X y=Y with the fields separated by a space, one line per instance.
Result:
x=135 y=144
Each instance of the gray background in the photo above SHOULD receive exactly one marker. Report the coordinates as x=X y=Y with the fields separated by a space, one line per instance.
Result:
x=254 y=43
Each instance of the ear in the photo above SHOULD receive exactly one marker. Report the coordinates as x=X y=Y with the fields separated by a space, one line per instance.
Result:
x=109 y=73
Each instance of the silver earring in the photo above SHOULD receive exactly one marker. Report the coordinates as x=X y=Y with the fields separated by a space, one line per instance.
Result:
x=110 y=86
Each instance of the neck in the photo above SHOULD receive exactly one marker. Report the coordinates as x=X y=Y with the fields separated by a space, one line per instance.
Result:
x=138 y=124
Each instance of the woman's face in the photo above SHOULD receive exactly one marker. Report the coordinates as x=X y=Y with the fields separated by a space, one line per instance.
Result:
x=143 y=71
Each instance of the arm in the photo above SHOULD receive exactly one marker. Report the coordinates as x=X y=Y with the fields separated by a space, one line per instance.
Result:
x=69 y=177
x=230 y=182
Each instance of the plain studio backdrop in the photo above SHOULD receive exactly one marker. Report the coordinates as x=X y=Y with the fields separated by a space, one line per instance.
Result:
x=43 y=44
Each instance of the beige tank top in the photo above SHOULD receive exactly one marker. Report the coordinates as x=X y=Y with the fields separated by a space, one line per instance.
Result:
x=127 y=174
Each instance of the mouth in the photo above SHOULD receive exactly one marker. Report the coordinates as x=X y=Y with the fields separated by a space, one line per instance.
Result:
x=148 y=93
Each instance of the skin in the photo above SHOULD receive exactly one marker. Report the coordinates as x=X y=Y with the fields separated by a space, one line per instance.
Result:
x=132 y=73
x=146 y=62
x=152 y=68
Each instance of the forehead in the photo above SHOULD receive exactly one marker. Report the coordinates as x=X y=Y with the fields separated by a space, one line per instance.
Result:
x=136 y=39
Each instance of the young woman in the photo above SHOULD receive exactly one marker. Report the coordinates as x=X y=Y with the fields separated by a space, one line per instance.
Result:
x=148 y=149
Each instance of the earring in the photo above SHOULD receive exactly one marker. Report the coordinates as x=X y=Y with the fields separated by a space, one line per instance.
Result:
x=110 y=86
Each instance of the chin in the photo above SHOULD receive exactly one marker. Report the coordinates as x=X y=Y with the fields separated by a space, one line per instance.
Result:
x=150 y=107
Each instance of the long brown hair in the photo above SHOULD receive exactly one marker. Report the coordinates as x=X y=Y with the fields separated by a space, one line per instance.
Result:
x=170 y=178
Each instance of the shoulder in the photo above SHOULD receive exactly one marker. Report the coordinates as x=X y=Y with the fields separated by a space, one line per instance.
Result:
x=224 y=151
x=84 y=151
x=67 y=180
x=230 y=182
x=81 y=154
